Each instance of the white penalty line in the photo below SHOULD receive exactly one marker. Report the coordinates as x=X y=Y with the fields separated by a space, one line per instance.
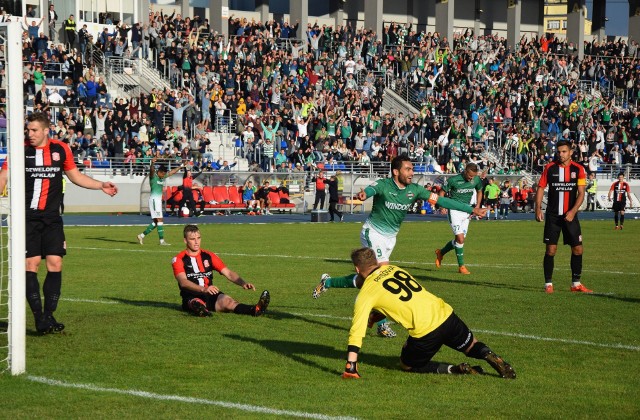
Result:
x=502 y=333
x=190 y=400
x=306 y=257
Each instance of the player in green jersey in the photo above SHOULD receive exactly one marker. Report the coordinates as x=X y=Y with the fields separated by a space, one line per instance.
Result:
x=465 y=188
x=156 y=180
x=392 y=198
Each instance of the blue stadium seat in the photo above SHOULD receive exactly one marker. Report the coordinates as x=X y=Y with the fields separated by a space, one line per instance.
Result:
x=420 y=168
x=62 y=92
x=340 y=167
x=99 y=163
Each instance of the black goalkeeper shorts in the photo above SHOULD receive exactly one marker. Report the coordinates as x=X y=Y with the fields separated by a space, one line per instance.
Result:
x=453 y=332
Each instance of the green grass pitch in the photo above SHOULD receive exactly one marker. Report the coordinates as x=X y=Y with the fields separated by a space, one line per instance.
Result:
x=129 y=352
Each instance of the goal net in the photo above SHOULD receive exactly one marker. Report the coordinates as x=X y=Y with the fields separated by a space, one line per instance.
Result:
x=12 y=203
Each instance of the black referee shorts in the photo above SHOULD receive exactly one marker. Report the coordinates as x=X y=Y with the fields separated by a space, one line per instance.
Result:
x=453 y=332
x=571 y=232
x=45 y=237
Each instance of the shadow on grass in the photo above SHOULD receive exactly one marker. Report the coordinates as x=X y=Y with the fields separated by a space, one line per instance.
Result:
x=276 y=315
x=299 y=352
x=619 y=298
x=106 y=239
x=475 y=283
x=146 y=303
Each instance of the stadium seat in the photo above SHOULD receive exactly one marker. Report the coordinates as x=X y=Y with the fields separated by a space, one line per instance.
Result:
x=207 y=194
x=166 y=193
x=235 y=196
x=221 y=195
x=420 y=168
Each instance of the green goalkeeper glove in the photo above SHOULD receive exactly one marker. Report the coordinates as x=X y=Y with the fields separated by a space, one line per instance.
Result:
x=351 y=371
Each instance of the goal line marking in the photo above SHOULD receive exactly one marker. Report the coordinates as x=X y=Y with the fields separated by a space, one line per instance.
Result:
x=190 y=400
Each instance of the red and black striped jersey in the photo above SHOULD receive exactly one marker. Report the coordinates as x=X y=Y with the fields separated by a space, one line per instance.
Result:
x=44 y=167
x=620 y=190
x=563 y=182
x=199 y=268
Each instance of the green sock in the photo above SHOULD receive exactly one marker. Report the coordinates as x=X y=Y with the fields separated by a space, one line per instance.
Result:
x=341 y=282
x=149 y=229
x=382 y=321
x=448 y=247
x=460 y=254
x=161 y=231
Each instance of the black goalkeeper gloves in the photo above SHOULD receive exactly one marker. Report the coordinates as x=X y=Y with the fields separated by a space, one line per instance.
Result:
x=351 y=371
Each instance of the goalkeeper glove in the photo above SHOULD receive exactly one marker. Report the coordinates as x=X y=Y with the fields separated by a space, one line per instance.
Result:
x=351 y=371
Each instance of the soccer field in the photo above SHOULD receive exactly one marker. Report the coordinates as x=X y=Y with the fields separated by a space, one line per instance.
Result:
x=128 y=351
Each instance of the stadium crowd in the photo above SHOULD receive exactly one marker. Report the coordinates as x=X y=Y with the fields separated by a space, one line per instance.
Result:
x=294 y=107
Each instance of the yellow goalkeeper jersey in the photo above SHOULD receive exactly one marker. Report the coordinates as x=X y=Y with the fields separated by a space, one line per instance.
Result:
x=393 y=292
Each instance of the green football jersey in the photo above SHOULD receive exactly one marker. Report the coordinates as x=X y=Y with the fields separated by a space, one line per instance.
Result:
x=157 y=185
x=459 y=189
x=391 y=203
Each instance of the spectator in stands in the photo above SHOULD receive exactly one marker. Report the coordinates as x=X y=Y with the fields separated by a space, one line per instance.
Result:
x=32 y=30
x=263 y=197
x=248 y=197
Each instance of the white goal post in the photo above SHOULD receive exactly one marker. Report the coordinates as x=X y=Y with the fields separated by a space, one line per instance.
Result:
x=12 y=269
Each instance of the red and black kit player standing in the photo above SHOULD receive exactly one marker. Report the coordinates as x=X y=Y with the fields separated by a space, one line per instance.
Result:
x=45 y=162
x=567 y=182
x=619 y=191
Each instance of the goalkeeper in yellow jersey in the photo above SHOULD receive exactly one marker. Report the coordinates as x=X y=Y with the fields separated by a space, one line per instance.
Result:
x=429 y=320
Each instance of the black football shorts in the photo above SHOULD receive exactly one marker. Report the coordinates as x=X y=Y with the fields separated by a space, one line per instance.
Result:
x=571 y=232
x=45 y=238
x=453 y=332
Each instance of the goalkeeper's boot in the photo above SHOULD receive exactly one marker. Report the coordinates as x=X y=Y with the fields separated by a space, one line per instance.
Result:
x=263 y=303
x=320 y=287
x=55 y=325
x=503 y=368
x=384 y=330
x=439 y=258
x=466 y=369
x=198 y=307
x=163 y=243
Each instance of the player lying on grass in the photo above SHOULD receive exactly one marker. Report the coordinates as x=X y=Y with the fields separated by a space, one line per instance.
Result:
x=193 y=269
x=392 y=198
x=429 y=320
